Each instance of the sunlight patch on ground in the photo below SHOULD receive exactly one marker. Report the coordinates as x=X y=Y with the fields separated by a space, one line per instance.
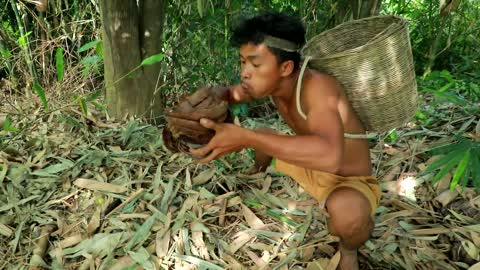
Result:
x=406 y=187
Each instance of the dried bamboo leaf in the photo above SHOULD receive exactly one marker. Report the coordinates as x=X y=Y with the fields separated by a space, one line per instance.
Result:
x=99 y=186
x=203 y=177
x=334 y=262
x=197 y=239
x=36 y=261
x=5 y=231
x=252 y=220
x=162 y=243
x=241 y=238
x=477 y=265
x=471 y=249
x=447 y=197
x=70 y=241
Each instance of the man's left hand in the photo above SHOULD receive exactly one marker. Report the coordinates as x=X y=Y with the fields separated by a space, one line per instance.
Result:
x=228 y=138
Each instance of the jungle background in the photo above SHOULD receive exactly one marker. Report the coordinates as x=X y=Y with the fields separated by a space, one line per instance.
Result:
x=80 y=189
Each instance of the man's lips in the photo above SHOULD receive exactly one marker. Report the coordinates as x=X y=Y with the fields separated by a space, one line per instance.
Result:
x=245 y=86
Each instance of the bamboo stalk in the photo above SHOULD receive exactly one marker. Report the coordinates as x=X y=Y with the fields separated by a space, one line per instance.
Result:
x=25 y=47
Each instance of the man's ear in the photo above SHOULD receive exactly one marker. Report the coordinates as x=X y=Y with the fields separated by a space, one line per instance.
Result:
x=286 y=68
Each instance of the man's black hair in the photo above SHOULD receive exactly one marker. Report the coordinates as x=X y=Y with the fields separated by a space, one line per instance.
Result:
x=279 y=25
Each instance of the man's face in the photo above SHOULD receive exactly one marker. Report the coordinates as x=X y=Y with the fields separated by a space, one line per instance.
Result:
x=260 y=72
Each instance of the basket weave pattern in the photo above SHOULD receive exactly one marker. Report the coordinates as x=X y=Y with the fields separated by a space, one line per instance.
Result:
x=372 y=59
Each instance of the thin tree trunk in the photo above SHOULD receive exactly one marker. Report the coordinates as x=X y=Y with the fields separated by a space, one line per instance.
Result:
x=365 y=8
x=131 y=33
x=356 y=9
x=151 y=38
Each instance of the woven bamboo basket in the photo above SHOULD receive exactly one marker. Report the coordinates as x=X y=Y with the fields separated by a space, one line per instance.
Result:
x=372 y=59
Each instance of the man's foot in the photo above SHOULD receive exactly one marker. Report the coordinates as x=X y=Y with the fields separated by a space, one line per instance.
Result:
x=348 y=259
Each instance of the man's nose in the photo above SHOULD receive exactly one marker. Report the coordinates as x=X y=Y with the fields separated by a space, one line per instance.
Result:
x=245 y=73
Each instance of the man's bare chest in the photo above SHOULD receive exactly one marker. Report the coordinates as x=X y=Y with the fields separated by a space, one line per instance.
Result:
x=291 y=116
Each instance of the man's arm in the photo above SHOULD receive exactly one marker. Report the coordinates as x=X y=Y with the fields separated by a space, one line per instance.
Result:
x=309 y=151
x=320 y=150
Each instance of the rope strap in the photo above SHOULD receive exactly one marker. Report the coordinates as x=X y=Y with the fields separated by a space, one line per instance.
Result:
x=304 y=116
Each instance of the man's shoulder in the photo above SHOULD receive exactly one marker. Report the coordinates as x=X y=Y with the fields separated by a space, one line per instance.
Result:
x=320 y=83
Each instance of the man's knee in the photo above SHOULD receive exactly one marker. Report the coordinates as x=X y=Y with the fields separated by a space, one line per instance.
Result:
x=350 y=216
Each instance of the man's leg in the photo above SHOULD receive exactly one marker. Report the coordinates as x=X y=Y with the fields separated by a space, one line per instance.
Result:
x=350 y=220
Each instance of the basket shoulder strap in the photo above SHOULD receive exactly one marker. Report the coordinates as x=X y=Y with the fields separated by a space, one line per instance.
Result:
x=299 y=88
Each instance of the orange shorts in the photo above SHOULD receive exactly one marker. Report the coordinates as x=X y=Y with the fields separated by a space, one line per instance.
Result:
x=320 y=184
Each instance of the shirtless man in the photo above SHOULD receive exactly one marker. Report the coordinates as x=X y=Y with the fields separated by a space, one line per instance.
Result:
x=333 y=169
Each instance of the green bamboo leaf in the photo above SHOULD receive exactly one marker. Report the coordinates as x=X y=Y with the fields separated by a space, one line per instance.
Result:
x=55 y=168
x=99 y=49
x=466 y=176
x=142 y=233
x=152 y=59
x=281 y=218
x=142 y=257
x=91 y=59
x=99 y=245
x=445 y=87
x=200 y=7
x=59 y=64
x=93 y=96
x=22 y=40
x=447 y=168
x=99 y=106
x=83 y=104
x=445 y=159
x=88 y=45
x=5 y=53
x=252 y=203
x=7 y=125
x=39 y=90
x=445 y=149
x=475 y=169
x=460 y=170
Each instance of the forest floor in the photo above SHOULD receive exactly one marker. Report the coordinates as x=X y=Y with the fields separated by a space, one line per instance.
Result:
x=84 y=192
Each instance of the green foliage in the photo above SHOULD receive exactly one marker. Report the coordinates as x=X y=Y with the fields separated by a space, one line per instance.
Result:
x=89 y=45
x=7 y=125
x=94 y=59
x=464 y=156
x=22 y=40
x=441 y=42
x=153 y=59
x=442 y=88
x=239 y=109
x=60 y=64
x=39 y=90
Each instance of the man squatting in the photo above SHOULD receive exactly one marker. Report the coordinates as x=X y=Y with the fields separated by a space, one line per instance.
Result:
x=332 y=168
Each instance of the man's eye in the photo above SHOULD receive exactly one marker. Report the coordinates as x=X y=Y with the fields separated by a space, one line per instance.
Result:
x=255 y=65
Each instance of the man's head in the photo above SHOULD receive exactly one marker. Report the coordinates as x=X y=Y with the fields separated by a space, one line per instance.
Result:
x=269 y=45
